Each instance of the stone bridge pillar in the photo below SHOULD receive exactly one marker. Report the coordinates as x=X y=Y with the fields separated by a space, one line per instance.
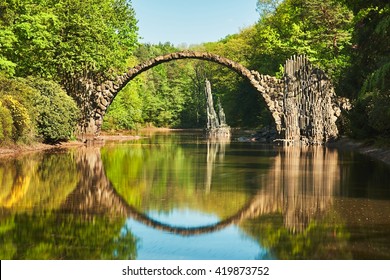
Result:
x=94 y=101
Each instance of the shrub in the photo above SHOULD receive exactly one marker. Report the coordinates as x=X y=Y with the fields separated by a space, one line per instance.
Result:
x=17 y=97
x=5 y=124
x=371 y=114
x=57 y=113
x=20 y=91
x=21 y=121
x=35 y=106
x=379 y=112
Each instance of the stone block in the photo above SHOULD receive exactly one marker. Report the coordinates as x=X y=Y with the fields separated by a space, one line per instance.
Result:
x=104 y=102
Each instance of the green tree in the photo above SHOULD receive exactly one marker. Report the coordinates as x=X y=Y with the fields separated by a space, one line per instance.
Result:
x=266 y=7
x=319 y=29
x=367 y=80
x=7 y=39
x=66 y=40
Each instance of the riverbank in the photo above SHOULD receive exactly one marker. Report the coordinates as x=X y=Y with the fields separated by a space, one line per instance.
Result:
x=20 y=149
x=377 y=152
x=15 y=150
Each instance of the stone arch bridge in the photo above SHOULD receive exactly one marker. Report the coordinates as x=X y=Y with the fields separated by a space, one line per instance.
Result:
x=303 y=103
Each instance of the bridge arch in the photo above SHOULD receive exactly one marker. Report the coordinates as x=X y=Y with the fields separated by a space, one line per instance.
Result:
x=303 y=103
x=104 y=94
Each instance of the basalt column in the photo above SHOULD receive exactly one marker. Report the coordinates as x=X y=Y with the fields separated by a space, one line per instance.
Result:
x=310 y=110
x=216 y=124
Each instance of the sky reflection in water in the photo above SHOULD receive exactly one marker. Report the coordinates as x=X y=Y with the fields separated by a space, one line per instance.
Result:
x=230 y=243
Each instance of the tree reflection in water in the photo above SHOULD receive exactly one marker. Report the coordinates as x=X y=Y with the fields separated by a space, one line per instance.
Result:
x=299 y=190
x=33 y=224
x=48 y=210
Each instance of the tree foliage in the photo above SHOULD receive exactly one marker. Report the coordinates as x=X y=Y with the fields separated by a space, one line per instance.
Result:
x=35 y=109
x=16 y=101
x=57 y=113
x=20 y=118
x=367 y=80
x=319 y=29
x=66 y=40
x=5 y=124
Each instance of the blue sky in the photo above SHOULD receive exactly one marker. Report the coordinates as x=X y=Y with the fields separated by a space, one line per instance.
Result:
x=192 y=21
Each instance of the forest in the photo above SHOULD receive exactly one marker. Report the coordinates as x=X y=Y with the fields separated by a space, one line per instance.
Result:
x=48 y=46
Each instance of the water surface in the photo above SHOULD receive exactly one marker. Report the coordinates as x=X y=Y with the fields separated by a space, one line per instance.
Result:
x=180 y=196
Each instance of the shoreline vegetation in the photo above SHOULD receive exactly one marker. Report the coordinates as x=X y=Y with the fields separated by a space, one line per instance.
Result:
x=15 y=150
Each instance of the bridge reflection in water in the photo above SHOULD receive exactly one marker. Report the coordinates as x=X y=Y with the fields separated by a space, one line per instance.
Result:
x=299 y=203
x=300 y=185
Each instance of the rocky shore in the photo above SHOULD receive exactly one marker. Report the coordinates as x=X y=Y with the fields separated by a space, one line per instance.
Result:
x=269 y=136
x=379 y=153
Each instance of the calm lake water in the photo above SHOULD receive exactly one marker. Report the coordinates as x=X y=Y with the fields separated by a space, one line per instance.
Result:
x=179 y=196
